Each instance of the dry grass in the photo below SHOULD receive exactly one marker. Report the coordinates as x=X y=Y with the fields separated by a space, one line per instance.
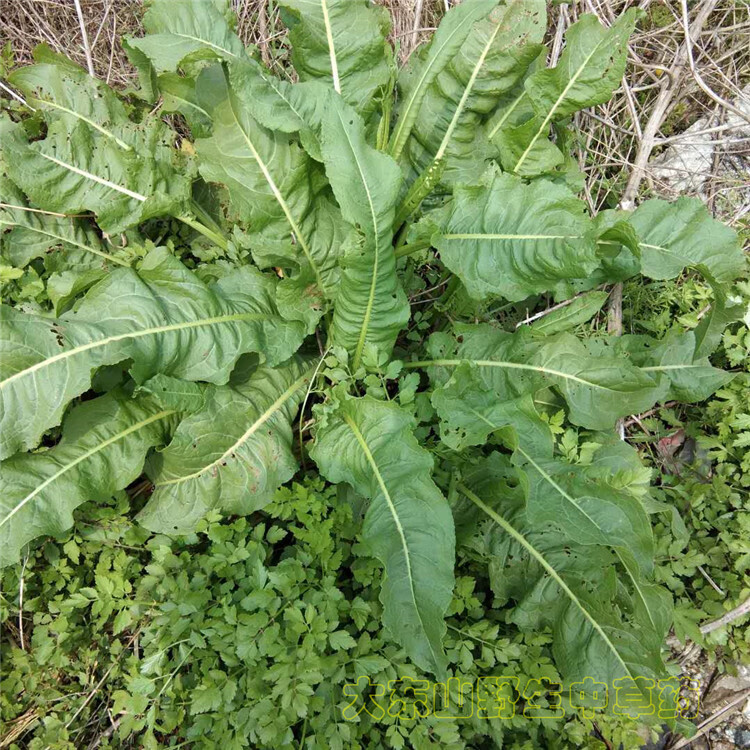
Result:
x=673 y=78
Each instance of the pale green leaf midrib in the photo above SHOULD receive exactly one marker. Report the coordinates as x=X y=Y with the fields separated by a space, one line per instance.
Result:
x=131 y=335
x=259 y=422
x=392 y=508
x=473 y=236
x=508 y=365
x=400 y=134
x=547 y=478
x=190 y=104
x=83 y=457
x=94 y=178
x=331 y=47
x=376 y=256
x=543 y=473
x=520 y=237
x=217 y=47
x=637 y=587
x=508 y=112
x=521 y=539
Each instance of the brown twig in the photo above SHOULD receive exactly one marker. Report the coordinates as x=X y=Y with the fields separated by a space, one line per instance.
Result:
x=716 y=718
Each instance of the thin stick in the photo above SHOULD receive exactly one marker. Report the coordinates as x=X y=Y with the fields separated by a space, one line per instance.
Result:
x=558 y=306
x=614 y=326
x=740 y=610
x=417 y=21
x=697 y=76
x=706 y=726
x=714 y=585
x=263 y=33
x=86 y=46
x=659 y=111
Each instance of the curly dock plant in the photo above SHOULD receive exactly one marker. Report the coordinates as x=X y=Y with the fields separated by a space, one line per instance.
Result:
x=313 y=201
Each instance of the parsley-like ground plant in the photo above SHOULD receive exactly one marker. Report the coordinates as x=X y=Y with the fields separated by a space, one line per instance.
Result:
x=283 y=332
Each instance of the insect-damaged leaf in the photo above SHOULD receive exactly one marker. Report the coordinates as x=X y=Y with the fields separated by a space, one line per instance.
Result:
x=93 y=157
x=598 y=387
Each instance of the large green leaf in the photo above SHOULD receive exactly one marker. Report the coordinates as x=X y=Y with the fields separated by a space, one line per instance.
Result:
x=491 y=60
x=93 y=156
x=77 y=168
x=408 y=526
x=371 y=307
x=232 y=455
x=599 y=387
x=102 y=450
x=589 y=70
x=569 y=587
x=680 y=235
x=417 y=76
x=342 y=42
x=583 y=507
x=505 y=238
x=182 y=31
x=277 y=190
x=162 y=317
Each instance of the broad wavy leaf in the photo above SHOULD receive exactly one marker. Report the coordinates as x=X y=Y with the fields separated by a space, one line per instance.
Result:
x=505 y=238
x=683 y=234
x=342 y=42
x=278 y=191
x=589 y=70
x=690 y=375
x=599 y=387
x=231 y=455
x=76 y=168
x=583 y=507
x=567 y=586
x=161 y=317
x=408 y=526
x=417 y=76
x=103 y=446
x=371 y=306
x=183 y=31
